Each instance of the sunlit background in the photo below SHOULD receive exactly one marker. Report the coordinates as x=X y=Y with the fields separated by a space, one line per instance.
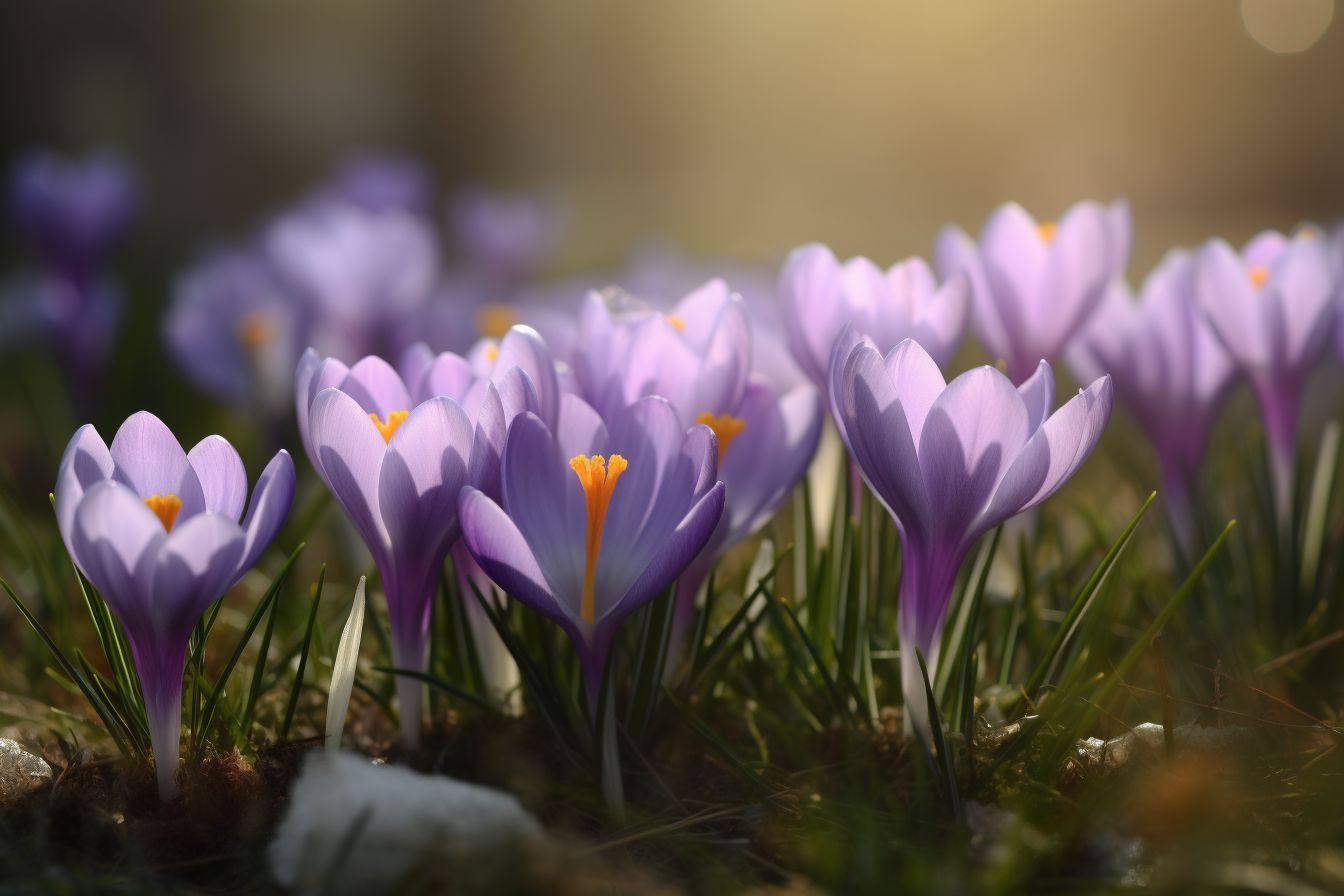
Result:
x=739 y=128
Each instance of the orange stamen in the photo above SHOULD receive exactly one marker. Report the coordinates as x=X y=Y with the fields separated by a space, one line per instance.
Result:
x=494 y=319
x=492 y=353
x=255 y=330
x=166 y=508
x=1046 y=230
x=726 y=428
x=1258 y=274
x=675 y=322
x=598 y=479
x=394 y=419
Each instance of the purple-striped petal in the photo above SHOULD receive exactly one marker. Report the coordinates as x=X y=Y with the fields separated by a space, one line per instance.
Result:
x=349 y=452
x=151 y=462
x=220 y=472
x=502 y=551
x=271 y=500
x=85 y=463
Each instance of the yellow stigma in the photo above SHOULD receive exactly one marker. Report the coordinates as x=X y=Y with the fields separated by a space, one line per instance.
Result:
x=166 y=508
x=1258 y=274
x=1046 y=230
x=394 y=419
x=492 y=353
x=675 y=322
x=598 y=478
x=725 y=428
x=255 y=330
x=493 y=320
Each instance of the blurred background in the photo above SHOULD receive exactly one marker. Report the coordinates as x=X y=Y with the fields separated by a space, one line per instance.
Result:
x=730 y=129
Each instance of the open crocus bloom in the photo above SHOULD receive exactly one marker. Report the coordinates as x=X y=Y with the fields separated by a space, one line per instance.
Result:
x=1273 y=306
x=950 y=461
x=1170 y=372
x=820 y=296
x=1033 y=283
x=594 y=523
x=395 y=467
x=161 y=534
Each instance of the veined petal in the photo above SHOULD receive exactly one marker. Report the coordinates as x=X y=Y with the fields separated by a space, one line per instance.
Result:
x=220 y=472
x=543 y=497
x=424 y=470
x=115 y=542
x=151 y=462
x=376 y=387
x=500 y=549
x=349 y=451
x=271 y=500
x=86 y=462
x=524 y=349
x=198 y=562
x=1038 y=393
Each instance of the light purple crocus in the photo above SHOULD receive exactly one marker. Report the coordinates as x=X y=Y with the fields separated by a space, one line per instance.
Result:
x=592 y=523
x=1170 y=372
x=235 y=332
x=950 y=461
x=1033 y=284
x=73 y=209
x=820 y=296
x=355 y=274
x=503 y=238
x=381 y=182
x=395 y=465
x=1273 y=306
x=161 y=534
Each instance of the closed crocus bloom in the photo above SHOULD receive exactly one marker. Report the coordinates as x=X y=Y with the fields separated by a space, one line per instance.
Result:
x=594 y=523
x=1273 y=306
x=1033 y=284
x=73 y=209
x=395 y=466
x=1170 y=372
x=355 y=274
x=234 y=332
x=502 y=237
x=950 y=461
x=161 y=533
x=820 y=296
x=697 y=356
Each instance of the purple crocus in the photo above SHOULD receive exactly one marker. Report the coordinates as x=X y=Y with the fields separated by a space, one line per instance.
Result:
x=1170 y=372
x=503 y=238
x=1273 y=306
x=592 y=523
x=381 y=182
x=820 y=296
x=355 y=274
x=395 y=466
x=1033 y=284
x=161 y=534
x=234 y=331
x=73 y=209
x=950 y=461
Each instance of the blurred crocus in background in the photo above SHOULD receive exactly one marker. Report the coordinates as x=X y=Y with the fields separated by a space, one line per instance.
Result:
x=1273 y=306
x=820 y=296
x=161 y=533
x=950 y=461
x=1033 y=284
x=1169 y=370
x=381 y=182
x=594 y=522
x=73 y=210
x=395 y=467
x=503 y=239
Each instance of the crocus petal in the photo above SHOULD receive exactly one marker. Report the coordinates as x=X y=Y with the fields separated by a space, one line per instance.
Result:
x=86 y=461
x=1038 y=393
x=524 y=349
x=349 y=452
x=1304 y=284
x=221 y=474
x=198 y=562
x=1051 y=455
x=115 y=541
x=679 y=548
x=377 y=387
x=448 y=374
x=502 y=551
x=271 y=500
x=414 y=363
x=313 y=375
x=581 y=428
x=972 y=433
x=1229 y=301
x=543 y=497
x=940 y=322
x=150 y=461
x=425 y=468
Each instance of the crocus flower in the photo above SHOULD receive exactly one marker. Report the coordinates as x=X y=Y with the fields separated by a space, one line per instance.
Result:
x=820 y=296
x=234 y=331
x=1273 y=307
x=950 y=461
x=73 y=209
x=594 y=523
x=1170 y=372
x=161 y=534
x=1033 y=284
x=503 y=238
x=356 y=274
x=395 y=466
x=381 y=182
